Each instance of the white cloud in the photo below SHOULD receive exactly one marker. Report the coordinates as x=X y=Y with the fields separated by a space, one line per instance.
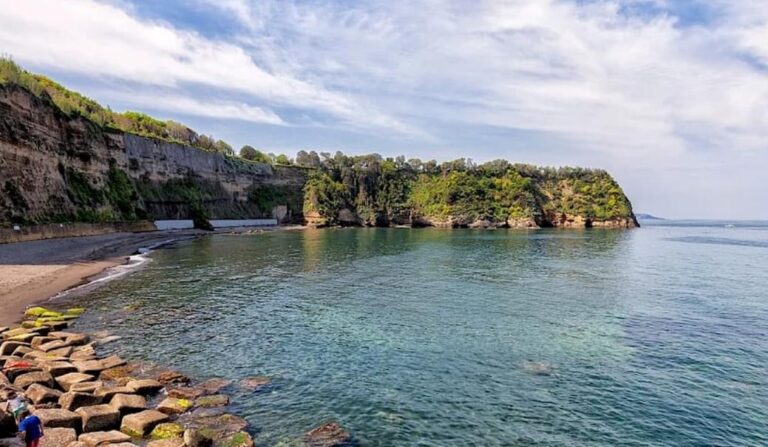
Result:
x=99 y=39
x=189 y=106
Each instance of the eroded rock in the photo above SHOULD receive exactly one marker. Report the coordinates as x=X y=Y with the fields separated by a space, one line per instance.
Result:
x=99 y=418
x=128 y=403
x=72 y=400
x=142 y=423
x=67 y=380
x=41 y=394
x=101 y=438
x=55 y=417
x=58 y=437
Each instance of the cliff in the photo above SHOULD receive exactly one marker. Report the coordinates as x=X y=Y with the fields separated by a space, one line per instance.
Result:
x=372 y=191
x=73 y=166
x=56 y=167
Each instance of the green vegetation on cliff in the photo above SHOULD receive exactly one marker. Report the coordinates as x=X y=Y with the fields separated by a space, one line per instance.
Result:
x=378 y=191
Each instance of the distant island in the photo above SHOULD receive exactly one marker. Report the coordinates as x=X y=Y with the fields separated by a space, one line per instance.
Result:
x=66 y=158
x=643 y=216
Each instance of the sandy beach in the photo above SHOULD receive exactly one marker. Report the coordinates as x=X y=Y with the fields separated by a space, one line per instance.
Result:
x=32 y=272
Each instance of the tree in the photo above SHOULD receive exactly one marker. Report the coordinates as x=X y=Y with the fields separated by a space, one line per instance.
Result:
x=308 y=160
x=283 y=159
x=252 y=154
x=223 y=147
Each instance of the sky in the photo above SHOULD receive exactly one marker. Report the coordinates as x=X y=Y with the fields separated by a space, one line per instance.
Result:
x=671 y=97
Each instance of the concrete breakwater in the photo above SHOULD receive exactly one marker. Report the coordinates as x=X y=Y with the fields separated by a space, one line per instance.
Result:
x=87 y=399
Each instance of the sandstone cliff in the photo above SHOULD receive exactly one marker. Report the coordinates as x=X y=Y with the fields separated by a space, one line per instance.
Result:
x=60 y=168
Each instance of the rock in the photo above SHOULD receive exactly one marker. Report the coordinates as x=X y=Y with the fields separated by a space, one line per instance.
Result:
x=83 y=353
x=51 y=345
x=35 y=311
x=171 y=405
x=108 y=392
x=67 y=380
x=167 y=430
x=239 y=439
x=4 y=380
x=76 y=444
x=538 y=368
x=25 y=380
x=39 y=340
x=41 y=394
x=99 y=418
x=116 y=373
x=20 y=334
x=8 y=347
x=89 y=366
x=58 y=437
x=255 y=383
x=128 y=403
x=121 y=444
x=58 y=368
x=194 y=438
x=173 y=377
x=19 y=369
x=53 y=418
x=213 y=386
x=61 y=352
x=185 y=393
x=108 y=339
x=145 y=386
x=217 y=400
x=72 y=338
x=176 y=442
x=86 y=387
x=330 y=434
x=140 y=424
x=102 y=438
x=21 y=350
x=112 y=361
x=72 y=401
x=218 y=427
x=40 y=356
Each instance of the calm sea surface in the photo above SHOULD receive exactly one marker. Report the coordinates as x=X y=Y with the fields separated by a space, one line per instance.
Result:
x=649 y=337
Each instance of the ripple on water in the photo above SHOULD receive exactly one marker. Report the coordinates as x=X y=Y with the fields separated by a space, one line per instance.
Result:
x=437 y=338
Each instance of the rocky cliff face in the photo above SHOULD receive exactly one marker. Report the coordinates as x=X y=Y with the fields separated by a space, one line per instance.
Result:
x=56 y=168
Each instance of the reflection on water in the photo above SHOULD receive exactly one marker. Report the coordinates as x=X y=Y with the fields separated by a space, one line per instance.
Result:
x=438 y=337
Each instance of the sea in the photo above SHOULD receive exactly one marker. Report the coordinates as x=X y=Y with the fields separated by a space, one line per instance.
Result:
x=656 y=336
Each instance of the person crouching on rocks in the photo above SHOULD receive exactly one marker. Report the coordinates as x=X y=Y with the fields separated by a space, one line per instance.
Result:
x=30 y=429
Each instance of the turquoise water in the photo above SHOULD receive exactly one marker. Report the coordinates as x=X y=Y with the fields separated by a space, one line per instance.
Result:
x=649 y=337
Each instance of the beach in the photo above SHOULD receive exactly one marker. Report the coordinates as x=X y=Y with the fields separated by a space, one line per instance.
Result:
x=32 y=272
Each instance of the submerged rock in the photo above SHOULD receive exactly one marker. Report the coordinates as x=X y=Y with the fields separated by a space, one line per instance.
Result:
x=173 y=377
x=239 y=439
x=255 y=383
x=330 y=434
x=538 y=368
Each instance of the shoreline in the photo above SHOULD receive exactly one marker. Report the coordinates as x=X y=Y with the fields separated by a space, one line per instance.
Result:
x=34 y=272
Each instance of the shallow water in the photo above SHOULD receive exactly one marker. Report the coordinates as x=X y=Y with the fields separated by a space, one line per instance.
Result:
x=650 y=337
